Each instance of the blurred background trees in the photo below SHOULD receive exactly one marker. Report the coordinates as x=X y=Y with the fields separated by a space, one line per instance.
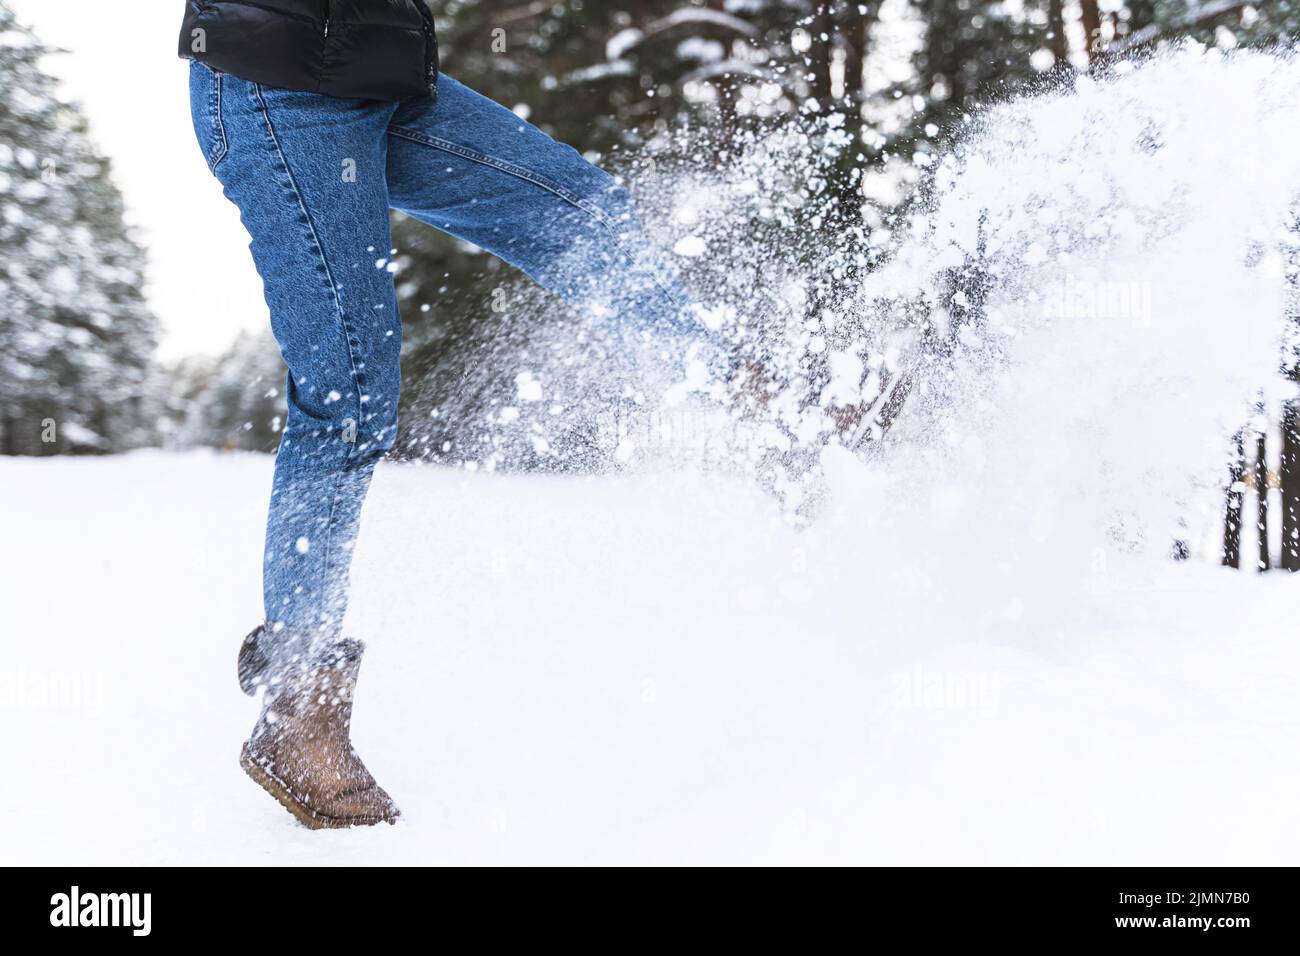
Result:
x=76 y=337
x=879 y=88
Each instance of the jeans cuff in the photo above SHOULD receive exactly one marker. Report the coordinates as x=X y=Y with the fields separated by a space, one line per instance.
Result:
x=292 y=651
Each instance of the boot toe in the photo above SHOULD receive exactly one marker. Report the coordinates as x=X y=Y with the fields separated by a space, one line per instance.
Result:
x=370 y=804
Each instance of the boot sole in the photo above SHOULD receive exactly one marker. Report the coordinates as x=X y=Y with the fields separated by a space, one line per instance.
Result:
x=300 y=811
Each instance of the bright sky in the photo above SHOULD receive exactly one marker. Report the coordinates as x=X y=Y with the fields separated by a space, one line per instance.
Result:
x=124 y=70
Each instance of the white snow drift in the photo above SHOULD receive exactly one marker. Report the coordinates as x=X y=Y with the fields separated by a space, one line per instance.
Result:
x=980 y=653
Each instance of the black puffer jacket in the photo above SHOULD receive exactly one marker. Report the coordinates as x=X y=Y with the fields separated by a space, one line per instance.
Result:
x=365 y=49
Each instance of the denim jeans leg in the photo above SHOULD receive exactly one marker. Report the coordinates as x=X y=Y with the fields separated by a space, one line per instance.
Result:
x=470 y=167
x=308 y=174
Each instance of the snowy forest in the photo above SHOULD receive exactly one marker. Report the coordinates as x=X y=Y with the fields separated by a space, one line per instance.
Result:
x=931 y=570
x=623 y=81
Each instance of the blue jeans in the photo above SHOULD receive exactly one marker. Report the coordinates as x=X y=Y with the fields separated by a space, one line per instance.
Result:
x=314 y=178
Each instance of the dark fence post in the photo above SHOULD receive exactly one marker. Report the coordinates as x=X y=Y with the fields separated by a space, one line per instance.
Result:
x=1232 y=505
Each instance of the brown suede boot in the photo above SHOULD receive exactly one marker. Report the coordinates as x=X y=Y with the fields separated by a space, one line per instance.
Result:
x=301 y=749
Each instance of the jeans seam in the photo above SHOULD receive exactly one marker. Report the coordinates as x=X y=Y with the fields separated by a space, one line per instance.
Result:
x=222 y=146
x=520 y=172
x=343 y=320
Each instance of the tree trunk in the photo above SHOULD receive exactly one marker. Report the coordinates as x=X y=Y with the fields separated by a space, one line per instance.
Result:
x=820 y=53
x=1290 y=481
x=1090 y=17
x=855 y=32
x=856 y=29
x=1261 y=494
x=727 y=114
x=1232 y=506
x=1056 y=40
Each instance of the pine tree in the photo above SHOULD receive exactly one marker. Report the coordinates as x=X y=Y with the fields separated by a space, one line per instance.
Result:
x=76 y=336
x=232 y=401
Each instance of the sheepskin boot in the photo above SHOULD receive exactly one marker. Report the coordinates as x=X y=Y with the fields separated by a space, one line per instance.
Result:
x=300 y=751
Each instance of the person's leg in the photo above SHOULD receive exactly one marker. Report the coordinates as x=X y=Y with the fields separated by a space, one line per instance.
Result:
x=308 y=173
x=472 y=168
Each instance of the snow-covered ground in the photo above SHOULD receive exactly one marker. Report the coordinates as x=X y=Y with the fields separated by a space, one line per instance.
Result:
x=980 y=653
x=630 y=670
